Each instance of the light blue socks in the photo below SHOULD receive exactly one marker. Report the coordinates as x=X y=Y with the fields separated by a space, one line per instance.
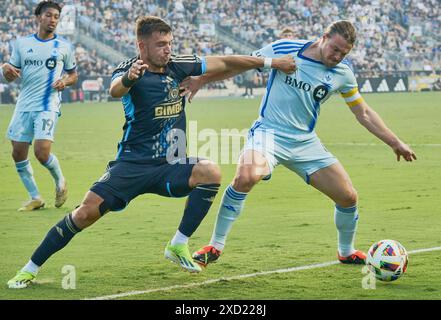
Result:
x=346 y=221
x=26 y=174
x=230 y=208
x=54 y=168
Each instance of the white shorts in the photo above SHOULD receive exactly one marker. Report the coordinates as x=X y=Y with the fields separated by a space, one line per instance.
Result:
x=30 y=125
x=303 y=157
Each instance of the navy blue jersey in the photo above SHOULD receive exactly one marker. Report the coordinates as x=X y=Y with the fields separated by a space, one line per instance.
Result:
x=154 y=110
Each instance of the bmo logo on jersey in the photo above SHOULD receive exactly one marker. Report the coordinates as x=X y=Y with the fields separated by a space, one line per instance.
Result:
x=51 y=63
x=293 y=82
x=33 y=62
x=320 y=93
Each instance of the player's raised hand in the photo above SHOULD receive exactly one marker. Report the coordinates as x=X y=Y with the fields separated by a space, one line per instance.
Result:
x=137 y=70
x=286 y=64
x=59 y=85
x=190 y=86
x=403 y=150
x=10 y=72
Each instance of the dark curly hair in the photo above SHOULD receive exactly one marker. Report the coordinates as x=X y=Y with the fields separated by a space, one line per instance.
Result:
x=44 y=5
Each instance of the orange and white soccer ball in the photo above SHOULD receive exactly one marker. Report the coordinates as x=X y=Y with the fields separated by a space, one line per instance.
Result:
x=387 y=260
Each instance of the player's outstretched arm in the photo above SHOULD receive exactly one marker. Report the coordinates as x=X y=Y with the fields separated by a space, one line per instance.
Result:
x=373 y=122
x=121 y=85
x=224 y=67
x=10 y=73
x=67 y=80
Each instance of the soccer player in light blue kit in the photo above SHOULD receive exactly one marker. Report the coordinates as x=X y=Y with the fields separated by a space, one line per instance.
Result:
x=39 y=60
x=284 y=134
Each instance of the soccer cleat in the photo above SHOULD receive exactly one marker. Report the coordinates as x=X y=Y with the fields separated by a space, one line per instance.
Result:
x=206 y=255
x=180 y=254
x=60 y=196
x=22 y=280
x=33 y=204
x=358 y=257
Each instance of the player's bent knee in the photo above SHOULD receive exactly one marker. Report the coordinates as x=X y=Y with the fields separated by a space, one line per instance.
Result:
x=245 y=182
x=42 y=156
x=207 y=172
x=85 y=215
x=111 y=204
x=349 y=199
x=20 y=151
x=214 y=173
x=19 y=156
x=103 y=201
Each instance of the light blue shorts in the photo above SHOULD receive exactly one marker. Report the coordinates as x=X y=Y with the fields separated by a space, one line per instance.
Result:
x=303 y=157
x=30 y=125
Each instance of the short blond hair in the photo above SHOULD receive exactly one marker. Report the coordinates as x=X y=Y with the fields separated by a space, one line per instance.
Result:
x=287 y=30
x=344 y=28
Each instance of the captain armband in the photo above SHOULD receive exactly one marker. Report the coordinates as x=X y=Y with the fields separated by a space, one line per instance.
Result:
x=353 y=97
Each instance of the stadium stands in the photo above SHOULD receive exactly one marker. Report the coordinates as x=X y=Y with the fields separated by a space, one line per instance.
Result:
x=397 y=35
x=394 y=35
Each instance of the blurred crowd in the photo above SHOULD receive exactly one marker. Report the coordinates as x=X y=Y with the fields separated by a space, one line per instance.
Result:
x=113 y=22
x=393 y=35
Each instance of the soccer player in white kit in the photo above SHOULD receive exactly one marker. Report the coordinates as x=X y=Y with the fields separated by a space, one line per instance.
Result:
x=284 y=134
x=46 y=65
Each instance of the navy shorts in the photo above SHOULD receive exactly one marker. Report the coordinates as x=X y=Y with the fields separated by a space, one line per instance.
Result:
x=125 y=180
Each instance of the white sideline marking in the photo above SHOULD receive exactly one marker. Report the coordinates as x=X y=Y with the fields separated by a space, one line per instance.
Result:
x=242 y=276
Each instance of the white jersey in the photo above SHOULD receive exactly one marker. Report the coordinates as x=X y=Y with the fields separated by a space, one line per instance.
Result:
x=41 y=63
x=291 y=104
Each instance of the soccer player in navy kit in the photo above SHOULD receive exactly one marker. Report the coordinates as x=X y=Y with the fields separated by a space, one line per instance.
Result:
x=151 y=156
x=46 y=64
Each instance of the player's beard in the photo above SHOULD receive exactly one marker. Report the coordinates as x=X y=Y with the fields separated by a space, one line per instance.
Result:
x=48 y=30
x=164 y=61
x=157 y=62
x=327 y=62
x=160 y=63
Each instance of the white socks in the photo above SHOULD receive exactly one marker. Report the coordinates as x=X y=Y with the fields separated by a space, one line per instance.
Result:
x=179 y=238
x=31 y=267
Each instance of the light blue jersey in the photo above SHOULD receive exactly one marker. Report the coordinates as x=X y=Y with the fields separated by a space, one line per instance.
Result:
x=41 y=62
x=291 y=104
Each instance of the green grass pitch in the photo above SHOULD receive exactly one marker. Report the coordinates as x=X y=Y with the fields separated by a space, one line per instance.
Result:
x=285 y=223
